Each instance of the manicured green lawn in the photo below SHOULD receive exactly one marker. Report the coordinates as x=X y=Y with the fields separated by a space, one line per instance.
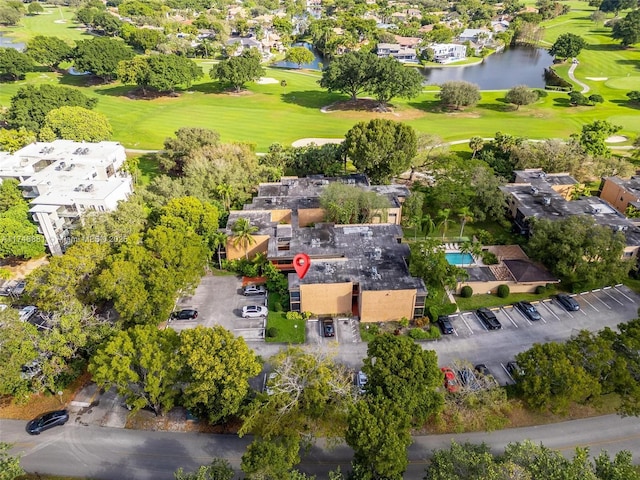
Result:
x=484 y=300
x=289 y=331
x=49 y=23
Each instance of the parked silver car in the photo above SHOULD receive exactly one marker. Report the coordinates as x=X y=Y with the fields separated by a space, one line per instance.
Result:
x=254 y=311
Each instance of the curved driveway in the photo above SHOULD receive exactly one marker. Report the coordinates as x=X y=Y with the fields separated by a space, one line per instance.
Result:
x=115 y=454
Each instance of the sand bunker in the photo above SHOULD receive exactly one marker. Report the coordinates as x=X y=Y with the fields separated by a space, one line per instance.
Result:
x=266 y=81
x=616 y=139
x=303 y=142
x=597 y=79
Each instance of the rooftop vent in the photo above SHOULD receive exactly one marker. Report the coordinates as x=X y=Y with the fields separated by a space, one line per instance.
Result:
x=595 y=209
x=377 y=253
x=534 y=190
x=77 y=151
x=546 y=201
x=79 y=188
x=70 y=167
x=46 y=150
x=89 y=188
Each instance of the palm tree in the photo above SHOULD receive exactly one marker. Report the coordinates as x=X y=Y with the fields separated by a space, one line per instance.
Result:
x=427 y=225
x=444 y=222
x=224 y=190
x=476 y=144
x=243 y=235
x=218 y=240
x=466 y=216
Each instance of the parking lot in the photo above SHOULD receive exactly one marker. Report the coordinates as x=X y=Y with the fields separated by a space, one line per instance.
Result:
x=473 y=342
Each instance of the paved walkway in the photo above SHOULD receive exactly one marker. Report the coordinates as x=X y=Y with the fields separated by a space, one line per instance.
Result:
x=585 y=87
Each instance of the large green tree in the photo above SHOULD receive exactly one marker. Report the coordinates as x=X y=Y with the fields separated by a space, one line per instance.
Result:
x=350 y=73
x=299 y=56
x=30 y=105
x=10 y=468
x=101 y=56
x=428 y=261
x=19 y=236
x=218 y=366
x=345 y=204
x=581 y=252
x=218 y=469
x=459 y=94
x=567 y=45
x=521 y=95
x=271 y=460
x=17 y=348
x=14 y=64
x=12 y=140
x=381 y=149
x=627 y=29
x=392 y=79
x=551 y=380
x=75 y=123
x=48 y=51
x=379 y=434
x=141 y=363
x=236 y=71
x=179 y=149
x=400 y=370
x=162 y=73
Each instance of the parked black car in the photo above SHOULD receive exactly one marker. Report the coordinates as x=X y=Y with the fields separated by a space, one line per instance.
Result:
x=488 y=318
x=445 y=325
x=515 y=370
x=327 y=328
x=528 y=310
x=185 y=315
x=482 y=369
x=46 y=421
x=568 y=302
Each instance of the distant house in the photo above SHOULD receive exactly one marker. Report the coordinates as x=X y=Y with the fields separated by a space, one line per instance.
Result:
x=475 y=35
x=407 y=42
x=621 y=193
x=244 y=43
x=402 y=54
x=499 y=26
x=448 y=52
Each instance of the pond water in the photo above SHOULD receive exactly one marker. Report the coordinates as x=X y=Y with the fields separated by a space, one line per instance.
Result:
x=514 y=66
x=8 y=43
x=315 y=65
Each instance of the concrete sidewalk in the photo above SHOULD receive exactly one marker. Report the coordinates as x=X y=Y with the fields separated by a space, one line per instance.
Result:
x=93 y=407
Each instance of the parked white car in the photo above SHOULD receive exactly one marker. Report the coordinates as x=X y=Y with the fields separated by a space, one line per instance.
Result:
x=254 y=311
x=27 y=312
x=254 y=290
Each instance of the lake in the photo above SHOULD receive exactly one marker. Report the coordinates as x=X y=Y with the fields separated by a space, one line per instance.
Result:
x=514 y=66
x=8 y=43
x=315 y=65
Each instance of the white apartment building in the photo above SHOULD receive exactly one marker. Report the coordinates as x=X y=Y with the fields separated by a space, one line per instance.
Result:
x=448 y=52
x=395 y=50
x=63 y=179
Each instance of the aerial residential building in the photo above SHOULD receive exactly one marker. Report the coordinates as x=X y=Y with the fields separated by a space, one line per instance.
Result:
x=535 y=194
x=395 y=50
x=448 y=52
x=63 y=179
x=359 y=269
x=621 y=193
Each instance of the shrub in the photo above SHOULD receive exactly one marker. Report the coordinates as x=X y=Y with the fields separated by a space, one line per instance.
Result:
x=422 y=334
x=540 y=289
x=277 y=307
x=421 y=322
x=466 y=291
x=293 y=316
x=542 y=93
x=404 y=322
x=272 y=332
x=489 y=258
x=503 y=291
x=485 y=237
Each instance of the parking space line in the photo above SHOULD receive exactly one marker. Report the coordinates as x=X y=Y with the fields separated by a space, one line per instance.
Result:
x=465 y=322
x=551 y=311
x=588 y=302
x=507 y=372
x=600 y=300
x=623 y=294
x=511 y=319
x=611 y=296
x=480 y=322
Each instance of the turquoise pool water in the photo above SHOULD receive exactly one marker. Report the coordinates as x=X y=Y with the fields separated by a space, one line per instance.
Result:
x=459 y=259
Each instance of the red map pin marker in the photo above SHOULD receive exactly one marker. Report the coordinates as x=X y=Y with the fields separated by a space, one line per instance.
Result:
x=301 y=263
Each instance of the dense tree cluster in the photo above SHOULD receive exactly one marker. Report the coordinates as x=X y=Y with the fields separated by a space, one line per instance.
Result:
x=347 y=204
x=458 y=94
x=357 y=72
x=236 y=71
x=162 y=73
x=584 y=368
x=19 y=236
x=567 y=45
x=526 y=460
x=14 y=64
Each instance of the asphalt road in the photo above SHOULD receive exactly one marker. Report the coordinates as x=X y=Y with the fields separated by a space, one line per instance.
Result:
x=115 y=454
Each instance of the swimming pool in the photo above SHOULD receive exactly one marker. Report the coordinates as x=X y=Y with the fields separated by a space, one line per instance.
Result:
x=459 y=259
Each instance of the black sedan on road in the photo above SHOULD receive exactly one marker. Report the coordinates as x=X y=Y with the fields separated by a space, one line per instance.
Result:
x=568 y=302
x=46 y=421
x=187 y=314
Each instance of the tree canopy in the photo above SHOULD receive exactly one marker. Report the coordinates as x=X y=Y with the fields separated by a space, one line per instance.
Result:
x=459 y=94
x=521 y=95
x=567 y=45
x=390 y=79
x=162 y=73
x=75 y=123
x=14 y=64
x=345 y=204
x=594 y=135
x=236 y=71
x=350 y=73
x=381 y=149
x=30 y=105
x=579 y=251
x=19 y=236
x=299 y=56
x=101 y=56
x=48 y=51
x=627 y=29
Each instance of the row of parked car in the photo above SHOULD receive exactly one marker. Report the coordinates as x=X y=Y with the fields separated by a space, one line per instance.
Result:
x=478 y=377
x=491 y=322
